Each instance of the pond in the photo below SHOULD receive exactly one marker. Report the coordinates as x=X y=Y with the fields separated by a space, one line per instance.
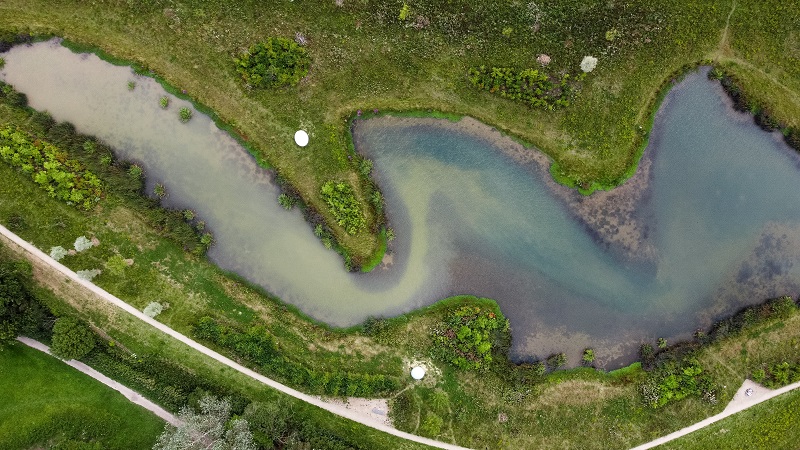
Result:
x=709 y=223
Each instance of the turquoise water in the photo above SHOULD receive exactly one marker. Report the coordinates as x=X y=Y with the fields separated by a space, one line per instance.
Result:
x=719 y=212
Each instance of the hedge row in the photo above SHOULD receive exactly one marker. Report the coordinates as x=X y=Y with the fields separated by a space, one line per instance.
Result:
x=530 y=86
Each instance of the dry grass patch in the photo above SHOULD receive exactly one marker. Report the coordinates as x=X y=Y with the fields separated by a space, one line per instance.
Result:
x=578 y=393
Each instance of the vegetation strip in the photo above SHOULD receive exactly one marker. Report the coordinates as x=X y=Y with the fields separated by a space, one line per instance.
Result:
x=716 y=418
x=335 y=409
x=128 y=393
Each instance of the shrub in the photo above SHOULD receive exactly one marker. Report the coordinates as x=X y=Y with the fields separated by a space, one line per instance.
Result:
x=377 y=201
x=403 y=12
x=531 y=86
x=17 y=223
x=188 y=214
x=274 y=63
x=82 y=244
x=588 y=356
x=365 y=167
x=185 y=114
x=131 y=85
x=287 y=201
x=344 y=206
x=135 y=171
x=467 y=336
x=588 y=63
x=116 y=264
x=662 y=343
x=674 y=380
x=160 y=190
x=153 y=309
x=88 y=275
x=556 y=361
x=2 y=62
x=374 y=326
x=58 y=252
x=71 y=339
x=432 y=425
x=163 y=102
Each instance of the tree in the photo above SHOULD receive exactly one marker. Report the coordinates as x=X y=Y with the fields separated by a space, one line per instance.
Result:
x=207 y=429
x=71 y=339
x=13 y=300
x=269 y=421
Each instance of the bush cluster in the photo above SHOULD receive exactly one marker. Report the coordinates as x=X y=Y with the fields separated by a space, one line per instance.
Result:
x=274 y=63
x=531 y=86
x=63 y=178
x=344 y=206
x=675 y=380
x=467 y=336
x=72 y=339
x=256 y=346
x=778 y=374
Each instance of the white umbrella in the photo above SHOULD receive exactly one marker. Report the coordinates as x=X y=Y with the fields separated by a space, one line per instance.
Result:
x=301 y=138
x=417 y=373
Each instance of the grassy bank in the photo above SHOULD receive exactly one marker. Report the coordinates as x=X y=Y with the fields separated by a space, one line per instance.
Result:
x=47 y=403
x=365 y=57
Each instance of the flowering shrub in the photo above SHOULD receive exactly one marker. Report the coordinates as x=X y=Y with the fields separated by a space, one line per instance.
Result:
x=588 y=64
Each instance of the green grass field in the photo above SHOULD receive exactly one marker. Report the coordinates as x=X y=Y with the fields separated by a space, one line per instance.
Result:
x=770 y=425
x=47 y=404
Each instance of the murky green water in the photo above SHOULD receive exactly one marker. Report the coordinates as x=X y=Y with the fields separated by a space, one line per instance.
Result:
x=720 y=214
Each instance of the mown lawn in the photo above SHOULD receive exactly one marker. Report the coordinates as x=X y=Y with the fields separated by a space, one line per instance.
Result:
x=768 y=426
x=46 y=403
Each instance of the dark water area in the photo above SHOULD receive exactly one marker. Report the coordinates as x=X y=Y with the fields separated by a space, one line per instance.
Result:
x=710 y=222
